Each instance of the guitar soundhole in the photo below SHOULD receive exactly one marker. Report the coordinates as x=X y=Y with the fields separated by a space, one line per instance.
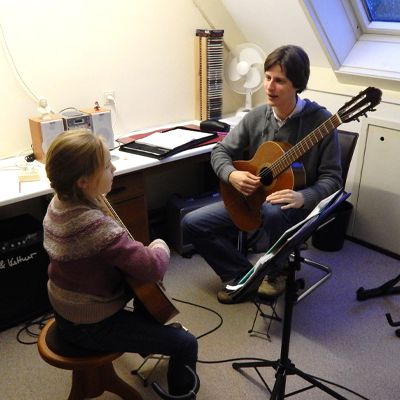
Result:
x=266 y=176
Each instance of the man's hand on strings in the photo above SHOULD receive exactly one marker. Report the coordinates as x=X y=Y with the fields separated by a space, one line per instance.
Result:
x=289 y=198
x=244 y=181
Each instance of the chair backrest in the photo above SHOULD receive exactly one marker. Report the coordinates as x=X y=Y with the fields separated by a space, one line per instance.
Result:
x=347 y=142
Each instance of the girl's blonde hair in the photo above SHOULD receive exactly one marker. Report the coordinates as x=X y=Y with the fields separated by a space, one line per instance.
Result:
x=71 y=155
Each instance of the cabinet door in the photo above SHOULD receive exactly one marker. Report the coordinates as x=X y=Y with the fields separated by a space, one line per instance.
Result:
x=377 y=218
x=133 y=213
x=128 y=199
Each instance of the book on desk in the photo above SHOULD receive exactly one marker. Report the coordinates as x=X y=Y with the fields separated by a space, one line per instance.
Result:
x=165 y=143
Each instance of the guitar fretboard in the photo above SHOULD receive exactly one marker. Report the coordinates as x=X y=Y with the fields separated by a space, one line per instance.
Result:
x=300 y=148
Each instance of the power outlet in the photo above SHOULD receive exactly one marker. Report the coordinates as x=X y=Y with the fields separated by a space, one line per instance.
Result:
x=109 y=98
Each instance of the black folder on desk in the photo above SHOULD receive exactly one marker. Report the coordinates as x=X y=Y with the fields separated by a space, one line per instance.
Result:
x=167 y=142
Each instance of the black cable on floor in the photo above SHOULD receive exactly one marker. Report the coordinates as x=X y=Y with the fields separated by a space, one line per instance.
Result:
x=221 y=320
x=38 y=323
x=229 y=360
x=213 y=330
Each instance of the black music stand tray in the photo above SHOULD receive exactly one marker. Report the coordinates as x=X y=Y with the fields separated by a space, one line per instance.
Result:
x=288 y=247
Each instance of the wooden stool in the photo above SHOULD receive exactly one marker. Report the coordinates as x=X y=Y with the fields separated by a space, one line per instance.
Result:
x=92 y=373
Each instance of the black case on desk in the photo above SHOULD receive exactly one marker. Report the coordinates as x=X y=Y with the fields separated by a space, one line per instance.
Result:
x=23 y=271
x=161 y=152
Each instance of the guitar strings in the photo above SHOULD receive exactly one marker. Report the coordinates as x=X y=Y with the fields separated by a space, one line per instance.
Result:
x=283 y=162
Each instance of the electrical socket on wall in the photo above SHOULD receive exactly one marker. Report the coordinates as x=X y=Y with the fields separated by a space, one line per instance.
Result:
x=109 y=97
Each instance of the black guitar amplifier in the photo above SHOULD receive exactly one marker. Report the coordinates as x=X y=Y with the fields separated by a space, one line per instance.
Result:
x=23 y=271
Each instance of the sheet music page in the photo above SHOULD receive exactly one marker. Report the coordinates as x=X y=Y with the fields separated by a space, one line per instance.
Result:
x=173 y=138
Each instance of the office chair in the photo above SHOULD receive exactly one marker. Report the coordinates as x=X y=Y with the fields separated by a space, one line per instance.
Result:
x=328 y=236
x=323 y=238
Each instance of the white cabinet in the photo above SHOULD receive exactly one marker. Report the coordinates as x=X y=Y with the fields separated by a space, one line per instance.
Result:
x=377 y=211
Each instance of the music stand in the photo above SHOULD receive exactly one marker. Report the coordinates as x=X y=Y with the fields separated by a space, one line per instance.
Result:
x=288 y=247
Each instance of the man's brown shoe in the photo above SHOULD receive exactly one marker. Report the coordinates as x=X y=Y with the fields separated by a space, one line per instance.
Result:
x=225 y=297
x=272 y=287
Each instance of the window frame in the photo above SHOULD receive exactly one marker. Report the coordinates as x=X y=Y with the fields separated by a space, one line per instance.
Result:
x=354 y=45
x=372 y=27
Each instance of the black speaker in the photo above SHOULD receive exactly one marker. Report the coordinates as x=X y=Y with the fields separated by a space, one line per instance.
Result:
x=23 y=271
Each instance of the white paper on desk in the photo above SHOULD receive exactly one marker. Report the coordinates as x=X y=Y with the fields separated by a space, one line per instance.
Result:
x=173 y=138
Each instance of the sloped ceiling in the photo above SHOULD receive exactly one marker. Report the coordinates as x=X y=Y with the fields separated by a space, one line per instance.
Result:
x=272 y=23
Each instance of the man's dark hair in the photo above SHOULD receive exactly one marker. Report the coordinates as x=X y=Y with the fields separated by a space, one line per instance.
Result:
x=294 y=62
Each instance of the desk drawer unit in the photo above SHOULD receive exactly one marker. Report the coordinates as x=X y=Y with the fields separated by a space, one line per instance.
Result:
x=128 y=199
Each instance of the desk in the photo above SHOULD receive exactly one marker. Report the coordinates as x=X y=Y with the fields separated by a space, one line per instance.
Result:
x=128 y=195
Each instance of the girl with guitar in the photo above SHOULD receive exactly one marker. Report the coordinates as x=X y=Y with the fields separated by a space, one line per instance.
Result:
x=93 y=257
x=271 y=128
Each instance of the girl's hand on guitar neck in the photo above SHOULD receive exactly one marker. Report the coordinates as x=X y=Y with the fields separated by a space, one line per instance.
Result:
x=244 y=182
x=290 y=198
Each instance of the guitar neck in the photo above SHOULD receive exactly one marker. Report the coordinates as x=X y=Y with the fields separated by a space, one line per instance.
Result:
x=151 y=294
x=111 y=212
x=300 y=148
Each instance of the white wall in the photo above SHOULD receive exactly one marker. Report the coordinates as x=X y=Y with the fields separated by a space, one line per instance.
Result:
x=72 y=51
x=272 y=23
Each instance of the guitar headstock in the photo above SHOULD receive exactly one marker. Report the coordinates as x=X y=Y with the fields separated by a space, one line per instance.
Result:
x=360 y=104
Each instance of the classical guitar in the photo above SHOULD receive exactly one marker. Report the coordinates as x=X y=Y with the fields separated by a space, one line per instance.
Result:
x=151 y=294
x=274 y=163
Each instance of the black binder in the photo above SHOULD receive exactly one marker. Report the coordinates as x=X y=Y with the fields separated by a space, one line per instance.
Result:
x=153 y=150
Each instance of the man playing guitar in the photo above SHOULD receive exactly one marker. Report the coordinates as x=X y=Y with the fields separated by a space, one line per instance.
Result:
x=284 y=119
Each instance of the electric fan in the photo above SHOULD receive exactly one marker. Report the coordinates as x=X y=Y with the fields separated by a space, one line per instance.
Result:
x=244 y=71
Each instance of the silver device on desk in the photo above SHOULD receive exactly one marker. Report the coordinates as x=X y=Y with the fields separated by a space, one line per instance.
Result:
x=76 y=119
x=97 y=120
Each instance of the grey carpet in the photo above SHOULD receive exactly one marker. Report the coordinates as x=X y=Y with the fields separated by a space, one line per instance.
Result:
x=333 y=336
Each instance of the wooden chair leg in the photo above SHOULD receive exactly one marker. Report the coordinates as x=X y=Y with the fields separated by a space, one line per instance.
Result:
x=86 y=383
x=114 y=384
x=94 y=381
x=78 y=390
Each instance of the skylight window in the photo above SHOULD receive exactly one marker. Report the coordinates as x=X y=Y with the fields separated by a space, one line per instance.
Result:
x=362 y=39
x=383 y=10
